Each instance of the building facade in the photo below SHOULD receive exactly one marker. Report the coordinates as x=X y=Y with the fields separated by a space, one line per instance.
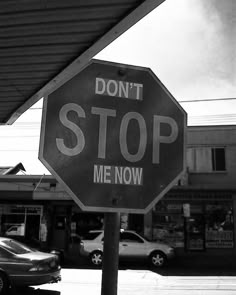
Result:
x=196 y=216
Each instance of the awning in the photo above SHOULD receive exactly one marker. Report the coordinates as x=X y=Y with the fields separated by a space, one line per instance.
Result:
x=44 y=43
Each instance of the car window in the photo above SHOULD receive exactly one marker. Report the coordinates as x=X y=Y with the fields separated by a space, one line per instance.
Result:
x=130 y=237
x=90 y=235
x=4 y=253
x=15 y=247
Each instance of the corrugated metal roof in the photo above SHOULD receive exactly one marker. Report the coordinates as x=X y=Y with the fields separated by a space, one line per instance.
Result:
x=43 y=43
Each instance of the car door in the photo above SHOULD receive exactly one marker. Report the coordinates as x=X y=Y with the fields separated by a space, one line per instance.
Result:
x=131 y=246
x=9 y=262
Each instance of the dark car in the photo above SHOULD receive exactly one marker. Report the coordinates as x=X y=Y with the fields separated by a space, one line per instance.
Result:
x=23 y=266
x=35 y=244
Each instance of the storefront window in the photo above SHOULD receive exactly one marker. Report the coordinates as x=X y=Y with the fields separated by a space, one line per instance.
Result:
x=21 y=221
x=219 y=226
x=168 y=223
x=209 y=225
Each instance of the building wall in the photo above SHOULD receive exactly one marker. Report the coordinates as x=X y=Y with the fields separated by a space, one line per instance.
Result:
x=206 y=193
x=214 y=136
x=201 y=190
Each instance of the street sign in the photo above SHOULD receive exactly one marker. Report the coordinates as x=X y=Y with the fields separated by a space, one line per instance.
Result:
x=114 y=137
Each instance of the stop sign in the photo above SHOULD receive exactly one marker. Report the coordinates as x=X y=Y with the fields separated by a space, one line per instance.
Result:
x=114 y=137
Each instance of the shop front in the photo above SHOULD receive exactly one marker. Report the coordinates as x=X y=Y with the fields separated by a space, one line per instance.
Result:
x=195 y=222
x=22 y=221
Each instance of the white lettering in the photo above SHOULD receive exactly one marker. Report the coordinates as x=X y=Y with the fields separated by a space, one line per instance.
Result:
x=97 y=174
x=137 y=175
x=123 y=89
x=77 y=149
x=101 y=89
x=165 y=131
x=127 y=175
x=103 y=113
x=139 y=94
x=123 y=137
x=158 y=138
x=112 y=84
x=118 y=175
x=107 y=174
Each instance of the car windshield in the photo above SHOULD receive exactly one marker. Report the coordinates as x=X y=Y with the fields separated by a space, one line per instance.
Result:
x=15 y=247
x=90 y=235
x=144 y=237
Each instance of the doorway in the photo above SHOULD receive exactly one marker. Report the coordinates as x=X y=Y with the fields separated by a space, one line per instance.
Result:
x=195 y=232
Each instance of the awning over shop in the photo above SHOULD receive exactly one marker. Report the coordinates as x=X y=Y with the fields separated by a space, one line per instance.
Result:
x=45 y=43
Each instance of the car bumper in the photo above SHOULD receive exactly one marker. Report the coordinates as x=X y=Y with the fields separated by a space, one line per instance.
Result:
x=36 y=278
x=83 y=252
x=170 y=255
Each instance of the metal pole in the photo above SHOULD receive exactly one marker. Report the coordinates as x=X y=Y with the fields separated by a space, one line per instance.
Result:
x=111 y=253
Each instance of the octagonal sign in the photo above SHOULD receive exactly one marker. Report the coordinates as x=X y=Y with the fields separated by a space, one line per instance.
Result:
x=114 y=136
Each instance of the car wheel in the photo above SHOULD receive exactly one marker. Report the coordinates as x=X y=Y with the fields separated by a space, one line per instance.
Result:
x=96 y=258
x=157 y=259
x=4 y=284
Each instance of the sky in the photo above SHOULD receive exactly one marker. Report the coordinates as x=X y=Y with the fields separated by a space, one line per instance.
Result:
x=190 y=46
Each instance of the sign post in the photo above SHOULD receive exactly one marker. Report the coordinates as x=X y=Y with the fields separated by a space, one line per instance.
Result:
x=114 y=137
x=111 y=253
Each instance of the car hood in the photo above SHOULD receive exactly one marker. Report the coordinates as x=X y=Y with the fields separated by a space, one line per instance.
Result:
x=160 y=245
x=37 y=255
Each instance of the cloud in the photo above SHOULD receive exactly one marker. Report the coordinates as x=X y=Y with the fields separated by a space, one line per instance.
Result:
x=222 y=16
x=189 y=44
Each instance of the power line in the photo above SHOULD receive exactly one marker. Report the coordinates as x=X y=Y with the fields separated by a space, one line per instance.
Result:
x=180 y=101
x=207 y=99
x=18 y=136
x=22 y=150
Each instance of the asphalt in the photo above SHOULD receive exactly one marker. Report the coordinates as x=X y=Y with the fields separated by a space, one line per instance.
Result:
x=190 y=266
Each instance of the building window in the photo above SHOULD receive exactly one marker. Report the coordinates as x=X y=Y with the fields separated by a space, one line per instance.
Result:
x=218 y=159
x=206 y=159
x=219 y=225
x=168 y=223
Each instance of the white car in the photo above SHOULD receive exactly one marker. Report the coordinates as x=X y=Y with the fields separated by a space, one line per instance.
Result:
x=131 y=246
x=16 y=230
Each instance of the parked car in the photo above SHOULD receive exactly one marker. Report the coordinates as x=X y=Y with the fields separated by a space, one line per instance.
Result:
x=23 y=266
x=16 y=230
x=131 y=246
x=35 y=244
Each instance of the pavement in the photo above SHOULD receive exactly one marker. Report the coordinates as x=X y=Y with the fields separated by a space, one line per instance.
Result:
x=178 y=277
x=138 y=282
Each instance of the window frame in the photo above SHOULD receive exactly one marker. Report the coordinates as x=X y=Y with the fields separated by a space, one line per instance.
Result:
x=195 y=167
x=214 y=162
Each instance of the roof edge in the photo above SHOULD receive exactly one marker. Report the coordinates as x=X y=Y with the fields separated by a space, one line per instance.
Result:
x=79 y=63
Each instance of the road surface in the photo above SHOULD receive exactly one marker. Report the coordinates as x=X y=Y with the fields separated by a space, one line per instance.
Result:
x=138 y=282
